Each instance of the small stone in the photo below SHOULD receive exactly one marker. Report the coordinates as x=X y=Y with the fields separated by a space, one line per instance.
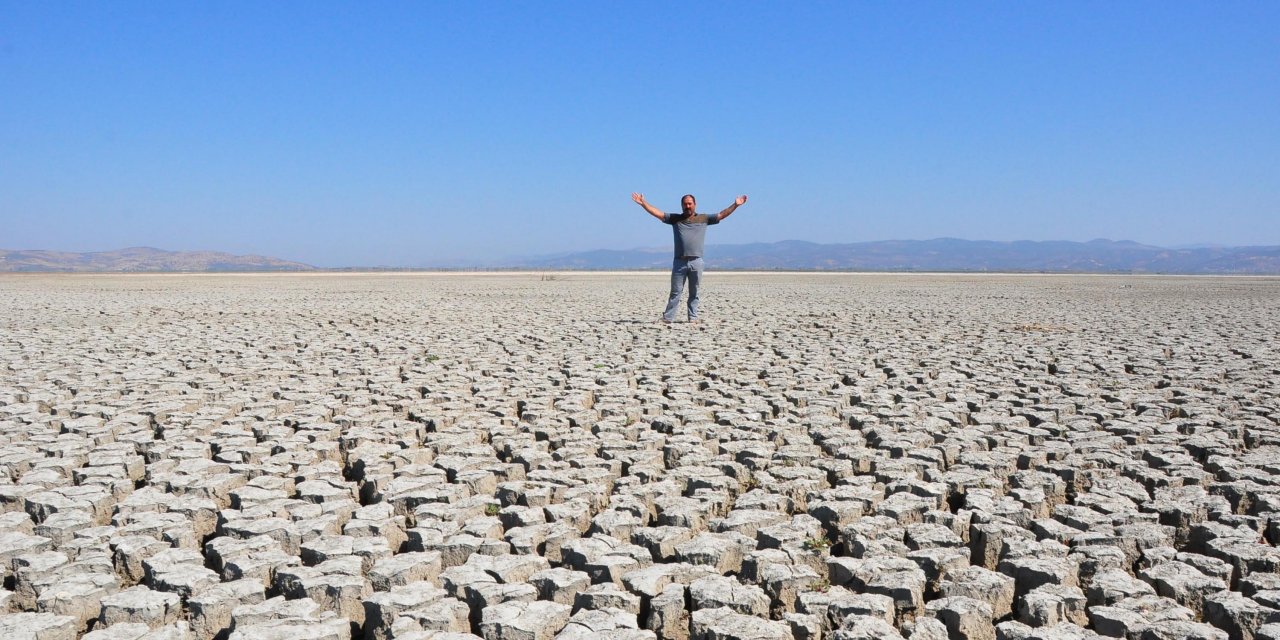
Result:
x=606 y=596
x=559 y=585
x=866 y=628
x=1052 y=604
x=1113 y=585
x=141 y=605
x=716 y=592
x=1239 y=616
x=538 y=620
x=994 y=589
x=592 y=624
x=381 y=608
x=38 y=626
x=726 y=624
x=405 y=568
x=965 y=618
x=211 y=609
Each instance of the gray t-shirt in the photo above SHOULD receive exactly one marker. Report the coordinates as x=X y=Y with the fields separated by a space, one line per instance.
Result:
x=690 y=232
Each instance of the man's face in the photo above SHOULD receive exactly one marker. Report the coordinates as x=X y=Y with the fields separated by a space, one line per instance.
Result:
x=687 y=204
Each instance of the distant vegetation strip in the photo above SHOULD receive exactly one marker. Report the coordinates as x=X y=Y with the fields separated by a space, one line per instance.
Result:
x=942 y=254
x=140 y=259
x=946 y=254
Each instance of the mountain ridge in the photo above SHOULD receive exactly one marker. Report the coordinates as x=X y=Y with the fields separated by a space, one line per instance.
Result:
x=938 y=254
x=139 y=260
x=945 y=254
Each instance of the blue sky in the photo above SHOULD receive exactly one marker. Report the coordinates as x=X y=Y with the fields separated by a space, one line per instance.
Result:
x=426 y=133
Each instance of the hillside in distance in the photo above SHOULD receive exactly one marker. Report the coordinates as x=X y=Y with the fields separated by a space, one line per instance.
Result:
x=944 y=254
x=140 y=259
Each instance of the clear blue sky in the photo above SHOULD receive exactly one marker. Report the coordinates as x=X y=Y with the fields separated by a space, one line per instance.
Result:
x=421 y=133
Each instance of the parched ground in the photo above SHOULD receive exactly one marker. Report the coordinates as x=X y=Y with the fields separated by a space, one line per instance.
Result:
x=532 y=456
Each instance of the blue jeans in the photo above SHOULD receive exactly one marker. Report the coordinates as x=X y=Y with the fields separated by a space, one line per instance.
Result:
x=681 y=269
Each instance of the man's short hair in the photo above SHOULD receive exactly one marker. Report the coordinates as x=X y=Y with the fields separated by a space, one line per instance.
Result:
x=687 y=195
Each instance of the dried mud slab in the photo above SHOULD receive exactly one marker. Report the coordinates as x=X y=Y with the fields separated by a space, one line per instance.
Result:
x=533 y=456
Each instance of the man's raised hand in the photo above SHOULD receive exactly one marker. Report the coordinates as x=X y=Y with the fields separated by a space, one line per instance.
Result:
x=738 y=202
x=653 y=211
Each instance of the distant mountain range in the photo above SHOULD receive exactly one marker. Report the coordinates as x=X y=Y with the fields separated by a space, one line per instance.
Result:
x=139 y=259
x=942 y=254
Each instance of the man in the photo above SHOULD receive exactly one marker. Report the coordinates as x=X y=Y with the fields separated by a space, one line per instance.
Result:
x=690 y=229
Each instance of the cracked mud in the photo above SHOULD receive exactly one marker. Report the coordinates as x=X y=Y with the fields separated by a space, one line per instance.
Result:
x=528 y=457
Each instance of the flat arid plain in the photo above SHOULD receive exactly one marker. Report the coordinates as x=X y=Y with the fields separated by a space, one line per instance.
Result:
x=531 y=456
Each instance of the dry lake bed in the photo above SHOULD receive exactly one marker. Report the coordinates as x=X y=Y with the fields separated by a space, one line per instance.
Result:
x=532 y=456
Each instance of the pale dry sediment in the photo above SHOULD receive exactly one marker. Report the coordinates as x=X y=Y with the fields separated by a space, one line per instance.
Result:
x=534 y=456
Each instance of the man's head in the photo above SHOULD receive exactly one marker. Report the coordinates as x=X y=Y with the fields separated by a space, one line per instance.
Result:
x=688 y=203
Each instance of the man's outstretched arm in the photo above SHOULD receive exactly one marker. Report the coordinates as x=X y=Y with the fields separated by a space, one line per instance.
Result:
x=731 y=208
x=653 y=211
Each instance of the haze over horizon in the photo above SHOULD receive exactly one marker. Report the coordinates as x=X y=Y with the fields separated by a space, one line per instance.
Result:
x=408 y=134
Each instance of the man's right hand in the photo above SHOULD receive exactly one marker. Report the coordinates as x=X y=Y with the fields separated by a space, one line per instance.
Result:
x=653 y=211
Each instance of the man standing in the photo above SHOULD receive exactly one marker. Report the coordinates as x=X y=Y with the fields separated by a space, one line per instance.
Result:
x=690 y=229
